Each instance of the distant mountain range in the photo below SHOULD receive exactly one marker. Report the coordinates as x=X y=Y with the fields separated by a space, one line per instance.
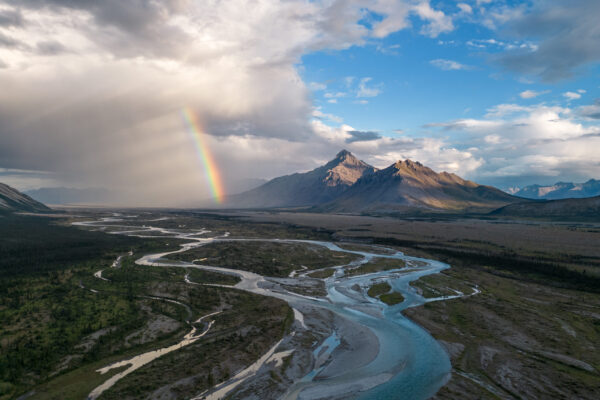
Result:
x=64 y=195
x=12 y=200
x=347 y=184
x=560 y=190
x=588 y=208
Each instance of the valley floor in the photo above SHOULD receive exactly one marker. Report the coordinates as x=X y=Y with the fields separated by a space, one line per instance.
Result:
x=520 y=316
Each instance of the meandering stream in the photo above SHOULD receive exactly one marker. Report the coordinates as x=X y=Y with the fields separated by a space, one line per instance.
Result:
x=408 y=363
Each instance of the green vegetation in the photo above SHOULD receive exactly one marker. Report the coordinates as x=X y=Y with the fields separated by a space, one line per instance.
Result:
x=376 y=264
x=383 y=292
x=441 y=284
x=55 y=332
x=561 y=269
x=34 y=245
x=365 y=247
x=392 y=298
x=378 y=289
x=203 y=276
x=266 y=258
x=322 y=274
x=237 y=226
x=535 y=330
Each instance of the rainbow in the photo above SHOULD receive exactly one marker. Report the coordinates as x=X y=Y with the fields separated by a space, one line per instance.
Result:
x=210 y=167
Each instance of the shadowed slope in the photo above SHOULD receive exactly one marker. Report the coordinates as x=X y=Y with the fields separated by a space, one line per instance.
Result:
x=318 y=186
x=588 y=208
x=13 y=200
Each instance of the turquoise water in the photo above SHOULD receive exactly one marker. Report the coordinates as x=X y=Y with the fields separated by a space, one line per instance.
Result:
x=418 y=364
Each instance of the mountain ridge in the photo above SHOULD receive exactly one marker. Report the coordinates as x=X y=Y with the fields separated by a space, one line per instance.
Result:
x=560 y=190
x=408 y=183
x=12 y=200
x=585 y=208
x=314 y=187
x=347 y=184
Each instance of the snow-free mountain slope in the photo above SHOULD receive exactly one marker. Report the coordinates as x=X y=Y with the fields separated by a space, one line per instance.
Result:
x=315 y=187
x=13 y=200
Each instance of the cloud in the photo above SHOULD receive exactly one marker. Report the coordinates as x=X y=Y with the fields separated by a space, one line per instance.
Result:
x=438 y=21
x=524 y=144
x=383 y=151
x=8 y=41
x=362 y=136
x=568 y=39
x=364 y=90
x=316 y=86
x=94 y=91
x=500 y=44
x=572 y=95
x=331 y=95
x=448 y=65
x=530 y=94
x=50 y=47
x=591 y=111
x=465 y=8
x=10 y=18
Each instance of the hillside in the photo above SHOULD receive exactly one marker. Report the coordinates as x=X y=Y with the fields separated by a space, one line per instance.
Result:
x=409 y=184
x=588 y=208
x=12 y=200
x=315 y=187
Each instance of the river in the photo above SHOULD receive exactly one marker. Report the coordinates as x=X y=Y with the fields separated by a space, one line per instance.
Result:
x=408 y=363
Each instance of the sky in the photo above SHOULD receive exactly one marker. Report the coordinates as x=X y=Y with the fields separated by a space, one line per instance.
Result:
x=94 y=94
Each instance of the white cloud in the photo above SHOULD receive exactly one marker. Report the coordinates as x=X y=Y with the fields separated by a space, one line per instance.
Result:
x=581 y=91
x=364 y=90
x=530 y=94
x=572 y=95
x=316 y=86
x=538 y=140
x=464 y=7
x=448 y=65
x=333 y=95
x=438 y=21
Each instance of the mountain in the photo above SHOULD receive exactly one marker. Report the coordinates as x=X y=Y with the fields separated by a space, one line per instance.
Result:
x=346 y=184
x=561 y=190
x=587 y=208
x=13 y=200
x=63 y=195
x=319 y=186
x=409 y=184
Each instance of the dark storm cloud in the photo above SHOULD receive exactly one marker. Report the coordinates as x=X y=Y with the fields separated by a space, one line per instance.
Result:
x=362 y=136
x=569 y=35
x=7 y=41
x=126 y=27
x=50 y=48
